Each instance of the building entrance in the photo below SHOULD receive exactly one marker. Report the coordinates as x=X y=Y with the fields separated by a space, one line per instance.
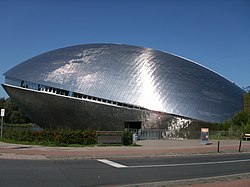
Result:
x=133 y=124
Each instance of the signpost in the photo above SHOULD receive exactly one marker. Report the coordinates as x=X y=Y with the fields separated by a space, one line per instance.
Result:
x=2 y=115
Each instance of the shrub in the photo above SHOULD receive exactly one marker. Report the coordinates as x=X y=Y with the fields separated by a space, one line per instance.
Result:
x=59 y=137
x=127 y=138
x=49 y=137
x=247 y=128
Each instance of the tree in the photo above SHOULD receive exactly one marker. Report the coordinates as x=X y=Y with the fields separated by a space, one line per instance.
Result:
x=247 y=128
x=13 y=113
x=241 y=119
x=2 y=101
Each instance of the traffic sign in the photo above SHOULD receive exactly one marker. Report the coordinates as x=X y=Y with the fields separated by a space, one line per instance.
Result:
x=2 y=112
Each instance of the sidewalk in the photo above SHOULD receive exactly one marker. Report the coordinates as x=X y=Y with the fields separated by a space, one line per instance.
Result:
x=145 y=148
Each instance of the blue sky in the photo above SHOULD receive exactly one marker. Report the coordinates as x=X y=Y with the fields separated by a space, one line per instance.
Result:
x=214 y=33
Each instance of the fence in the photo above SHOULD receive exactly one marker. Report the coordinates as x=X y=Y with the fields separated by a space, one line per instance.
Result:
x=149 y=134
x=216 y=135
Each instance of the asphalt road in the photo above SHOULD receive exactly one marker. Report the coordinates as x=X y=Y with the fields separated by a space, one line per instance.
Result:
x=118 y=171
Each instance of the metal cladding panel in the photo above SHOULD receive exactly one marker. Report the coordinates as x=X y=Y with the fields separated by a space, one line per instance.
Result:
x=56 y=111
x=138 y=76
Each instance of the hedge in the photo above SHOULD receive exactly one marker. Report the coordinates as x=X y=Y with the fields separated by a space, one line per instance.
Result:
x=51 y=137
x=59 y=137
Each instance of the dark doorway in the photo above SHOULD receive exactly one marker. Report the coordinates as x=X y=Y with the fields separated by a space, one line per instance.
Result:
x=133 y=124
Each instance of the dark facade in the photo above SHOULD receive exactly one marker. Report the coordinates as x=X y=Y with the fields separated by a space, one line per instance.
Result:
x=110 y=86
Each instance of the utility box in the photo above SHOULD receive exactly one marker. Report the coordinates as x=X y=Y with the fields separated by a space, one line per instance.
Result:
x=135 y=138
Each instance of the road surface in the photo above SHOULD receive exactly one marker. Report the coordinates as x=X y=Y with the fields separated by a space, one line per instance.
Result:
x=104 y=172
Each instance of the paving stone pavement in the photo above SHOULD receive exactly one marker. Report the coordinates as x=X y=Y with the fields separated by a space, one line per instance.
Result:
x=21 y=156
x=145 y=148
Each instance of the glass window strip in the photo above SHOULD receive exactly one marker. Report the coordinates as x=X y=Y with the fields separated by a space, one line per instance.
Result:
x=57 y=91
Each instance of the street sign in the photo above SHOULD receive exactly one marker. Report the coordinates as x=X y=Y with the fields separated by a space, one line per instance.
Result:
x=2 y=112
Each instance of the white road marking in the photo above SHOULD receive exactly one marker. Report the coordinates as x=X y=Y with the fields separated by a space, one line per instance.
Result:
x=117 y=165
x=111 y=163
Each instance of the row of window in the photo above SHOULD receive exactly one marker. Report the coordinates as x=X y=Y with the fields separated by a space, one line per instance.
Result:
x=43 y=88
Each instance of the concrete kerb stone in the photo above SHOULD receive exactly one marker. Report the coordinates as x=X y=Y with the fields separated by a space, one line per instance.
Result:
x=219 y=181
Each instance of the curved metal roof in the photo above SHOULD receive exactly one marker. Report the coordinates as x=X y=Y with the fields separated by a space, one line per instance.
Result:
x=139 y=76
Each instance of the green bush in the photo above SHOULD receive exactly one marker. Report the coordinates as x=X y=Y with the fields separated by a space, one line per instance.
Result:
x=59 y=137
x=127 y=138
x=247 y=128
x=51 y=137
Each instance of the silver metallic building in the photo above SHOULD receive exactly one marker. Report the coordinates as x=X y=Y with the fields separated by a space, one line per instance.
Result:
x=112 y=86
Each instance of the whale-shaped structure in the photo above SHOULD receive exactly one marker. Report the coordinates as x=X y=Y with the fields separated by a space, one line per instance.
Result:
x=109 y=86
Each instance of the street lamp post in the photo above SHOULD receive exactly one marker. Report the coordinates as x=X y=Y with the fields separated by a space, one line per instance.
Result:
x=2 y=115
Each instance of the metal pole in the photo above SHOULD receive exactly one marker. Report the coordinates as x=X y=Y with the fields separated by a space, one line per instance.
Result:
x=218 y=147
x=240 y=146
x=2 y=127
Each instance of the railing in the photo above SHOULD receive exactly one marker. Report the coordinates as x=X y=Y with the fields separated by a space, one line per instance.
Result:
x=109 y=137
x=149 y=134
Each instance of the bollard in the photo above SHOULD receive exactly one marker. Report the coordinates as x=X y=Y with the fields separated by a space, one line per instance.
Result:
x=218 y=147
x=240 y=146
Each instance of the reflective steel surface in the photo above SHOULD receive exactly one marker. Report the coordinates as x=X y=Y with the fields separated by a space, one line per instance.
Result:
x=55 y=111
x=144 y=77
